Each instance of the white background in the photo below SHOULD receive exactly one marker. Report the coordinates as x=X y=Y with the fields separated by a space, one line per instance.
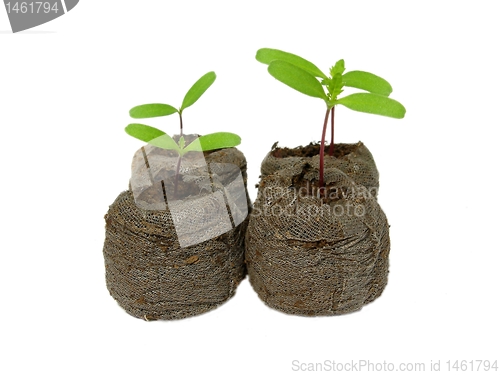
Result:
x=65 y=91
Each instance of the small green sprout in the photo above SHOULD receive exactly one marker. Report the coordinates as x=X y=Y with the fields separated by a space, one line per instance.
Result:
x=160 y=139
x=307 y=78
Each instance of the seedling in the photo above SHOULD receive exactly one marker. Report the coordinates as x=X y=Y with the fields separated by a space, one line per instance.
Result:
x=161 y=139
x=305 y=77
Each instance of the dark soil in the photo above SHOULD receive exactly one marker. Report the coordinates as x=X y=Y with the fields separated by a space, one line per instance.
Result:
x=312 y=149
x=329 y=193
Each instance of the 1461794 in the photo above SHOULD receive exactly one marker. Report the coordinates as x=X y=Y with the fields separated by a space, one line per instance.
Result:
x=472 y=365
x=31 y=7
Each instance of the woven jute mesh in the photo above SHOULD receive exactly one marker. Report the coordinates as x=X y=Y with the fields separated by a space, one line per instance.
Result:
x=152 y=277
x=311 y=256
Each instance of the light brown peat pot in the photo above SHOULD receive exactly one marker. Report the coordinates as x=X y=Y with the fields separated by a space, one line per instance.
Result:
x=312 y=251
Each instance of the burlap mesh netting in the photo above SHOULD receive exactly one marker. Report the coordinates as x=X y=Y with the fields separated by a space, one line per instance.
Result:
x=152 y=277
x=311 y=258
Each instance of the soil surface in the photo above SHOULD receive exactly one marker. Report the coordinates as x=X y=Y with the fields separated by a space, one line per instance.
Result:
x=329 y=193
x=312 y=149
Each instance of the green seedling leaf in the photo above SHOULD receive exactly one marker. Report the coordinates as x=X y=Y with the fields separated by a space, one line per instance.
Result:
x=152 y=136
x=373 y=103
x=297 y=78
x=338 y=68
x=143 y=132
x=197 y=90
x=334 y=86
x=268 y=55
x=166 y=142
x=152 y=110
x=367 y=81
x=214 y=141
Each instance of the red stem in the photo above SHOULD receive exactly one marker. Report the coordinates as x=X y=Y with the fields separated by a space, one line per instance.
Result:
x=322 y=150
x=330 y=152
x=180 y=116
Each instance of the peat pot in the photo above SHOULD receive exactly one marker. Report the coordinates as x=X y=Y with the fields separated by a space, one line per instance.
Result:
x=174 y=241
x=312 y=251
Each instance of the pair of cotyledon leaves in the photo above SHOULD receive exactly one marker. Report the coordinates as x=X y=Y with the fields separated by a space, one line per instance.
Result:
x=160 y=139
x=303 y=76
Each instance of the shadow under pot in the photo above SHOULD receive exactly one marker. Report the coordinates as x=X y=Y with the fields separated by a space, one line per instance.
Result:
x=312 y=251
x=174 y=241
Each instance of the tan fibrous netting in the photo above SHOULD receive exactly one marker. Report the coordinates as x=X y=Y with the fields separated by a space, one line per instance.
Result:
x=309 y=256
x=151 y=276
